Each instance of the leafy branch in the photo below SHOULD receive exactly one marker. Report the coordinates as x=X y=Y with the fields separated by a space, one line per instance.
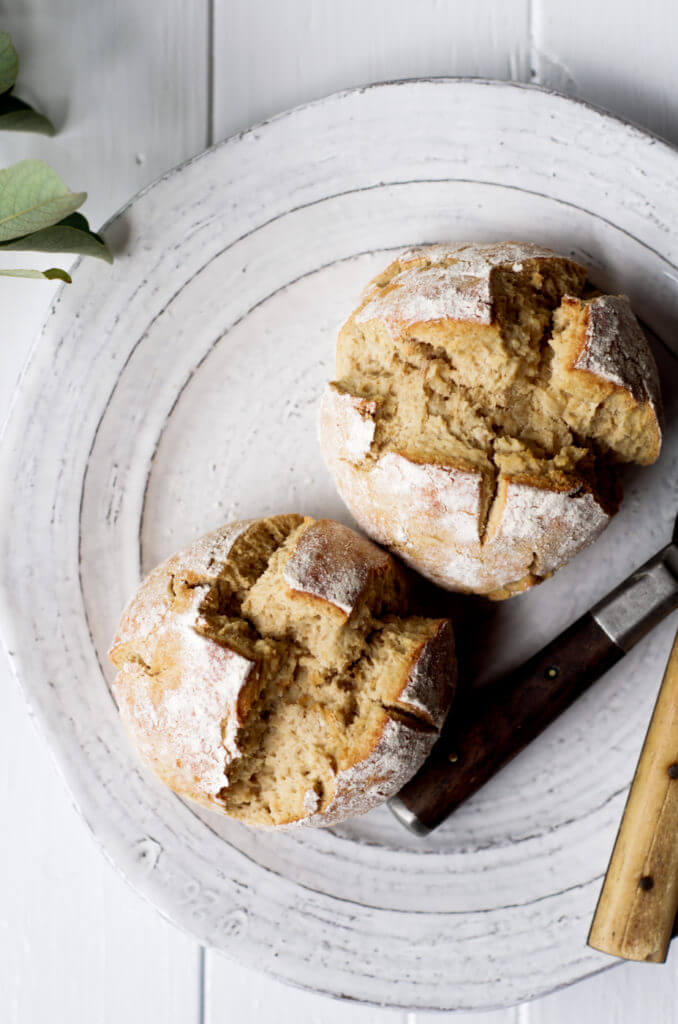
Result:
x=37 y=210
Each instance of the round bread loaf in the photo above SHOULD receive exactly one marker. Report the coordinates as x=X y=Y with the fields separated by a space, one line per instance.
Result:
x=483 y=396
x=270 y=672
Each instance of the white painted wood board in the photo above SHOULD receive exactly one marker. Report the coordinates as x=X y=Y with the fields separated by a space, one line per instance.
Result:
x=246 y=995
x=272 y=56
x=629 y=994
x=632 y=70
x=76 y=943
x=619 y=55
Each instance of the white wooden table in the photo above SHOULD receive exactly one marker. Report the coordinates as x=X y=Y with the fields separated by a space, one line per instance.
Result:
x=135 y=88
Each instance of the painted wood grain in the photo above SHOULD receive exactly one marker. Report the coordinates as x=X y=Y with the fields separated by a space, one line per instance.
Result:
x=76 y=944
x=626 y=994
x=633 y=72
x=272 y=56
x=126 y=87
x=236 y=993
x=620 y=55
x=239 y=994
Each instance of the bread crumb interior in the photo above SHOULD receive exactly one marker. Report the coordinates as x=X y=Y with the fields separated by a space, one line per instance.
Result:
x=325 y=683
x=502 y=399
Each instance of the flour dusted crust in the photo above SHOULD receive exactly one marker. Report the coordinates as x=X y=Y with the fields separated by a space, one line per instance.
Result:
x=223 y=673
x=333 y=564
x=381 y=773
x=442 y=282
x=483 y=394
x=392 y=754
x=614 y=349
x=605 y=353
x=181 y=695
x=429 y=514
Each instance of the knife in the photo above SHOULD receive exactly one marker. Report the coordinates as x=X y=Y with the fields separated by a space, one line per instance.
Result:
x=489 y=727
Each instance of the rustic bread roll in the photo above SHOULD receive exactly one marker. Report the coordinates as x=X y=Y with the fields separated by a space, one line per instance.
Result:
x=269 y=671
x=483 y=395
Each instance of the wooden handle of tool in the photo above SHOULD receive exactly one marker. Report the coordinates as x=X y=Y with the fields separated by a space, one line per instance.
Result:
x=487 y=730
x=639 y=900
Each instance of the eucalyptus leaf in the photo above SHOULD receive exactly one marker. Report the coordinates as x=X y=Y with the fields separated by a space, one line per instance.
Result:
x=79 y=221
x=17 y=116
x=9 y=62
x=32 y=197
x=53 y=274
x=72 y=234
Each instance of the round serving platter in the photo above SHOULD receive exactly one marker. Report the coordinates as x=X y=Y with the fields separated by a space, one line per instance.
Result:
x=178 y=390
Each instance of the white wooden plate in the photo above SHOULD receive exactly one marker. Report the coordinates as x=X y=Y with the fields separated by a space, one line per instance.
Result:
x=178 y=389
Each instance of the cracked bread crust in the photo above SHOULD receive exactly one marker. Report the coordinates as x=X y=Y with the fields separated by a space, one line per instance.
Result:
x=270 y=672
x=483 y=395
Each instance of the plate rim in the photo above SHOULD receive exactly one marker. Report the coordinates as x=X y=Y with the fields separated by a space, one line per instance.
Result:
x=45 y=729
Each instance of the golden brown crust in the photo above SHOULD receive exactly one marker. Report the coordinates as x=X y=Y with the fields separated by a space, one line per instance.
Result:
x=480 y=404
x=311 y=570
x=601 y=353
x=194 y=677
x=426 y=690
x=181 y=695
x=457 y=282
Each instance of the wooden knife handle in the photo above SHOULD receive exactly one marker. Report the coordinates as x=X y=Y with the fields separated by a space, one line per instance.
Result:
x=639 y=900
x=490 y=727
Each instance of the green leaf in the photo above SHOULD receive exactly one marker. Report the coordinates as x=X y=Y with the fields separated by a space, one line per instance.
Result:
x=72 y=234
x=54 y=273
x=9 y=62
x=32 y=197
x=17 y=116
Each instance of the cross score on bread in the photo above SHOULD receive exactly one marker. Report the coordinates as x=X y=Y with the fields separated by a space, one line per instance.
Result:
x=270 y=671
x=484 y=394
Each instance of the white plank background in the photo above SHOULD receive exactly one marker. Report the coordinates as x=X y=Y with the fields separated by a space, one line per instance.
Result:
x=135 y=88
